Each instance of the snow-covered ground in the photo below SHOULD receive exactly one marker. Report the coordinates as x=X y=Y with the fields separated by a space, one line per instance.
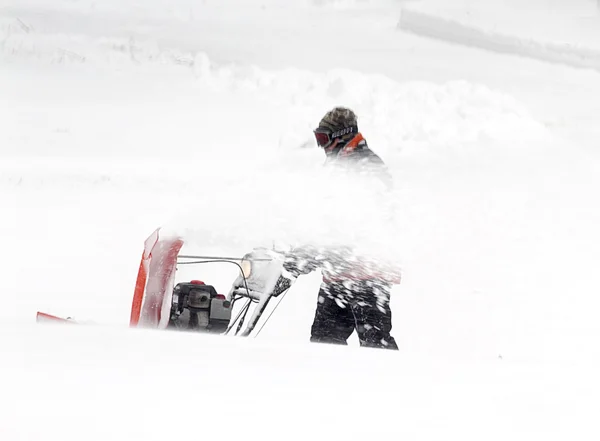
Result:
x=118 y=117
x=99 y=384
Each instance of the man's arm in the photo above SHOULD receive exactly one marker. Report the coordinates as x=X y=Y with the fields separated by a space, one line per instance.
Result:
x=375 y=166
x=301 y=261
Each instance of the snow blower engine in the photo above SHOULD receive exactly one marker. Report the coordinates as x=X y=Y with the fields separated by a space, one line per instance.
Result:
x=196 y=306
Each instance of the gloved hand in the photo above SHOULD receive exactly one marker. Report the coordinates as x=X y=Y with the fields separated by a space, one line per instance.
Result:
x=301 y=260
x=284 y=283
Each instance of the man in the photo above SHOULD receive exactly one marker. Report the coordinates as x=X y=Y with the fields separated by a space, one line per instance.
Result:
x=355 y=292
x=345 y=147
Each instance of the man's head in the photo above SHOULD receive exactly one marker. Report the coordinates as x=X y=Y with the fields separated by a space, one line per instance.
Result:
x=336 y=128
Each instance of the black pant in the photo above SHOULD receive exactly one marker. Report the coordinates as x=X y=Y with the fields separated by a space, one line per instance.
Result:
x=363 y=306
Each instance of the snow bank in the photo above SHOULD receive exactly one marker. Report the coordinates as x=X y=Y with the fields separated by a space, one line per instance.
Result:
x=415 y=117
x=569 y=35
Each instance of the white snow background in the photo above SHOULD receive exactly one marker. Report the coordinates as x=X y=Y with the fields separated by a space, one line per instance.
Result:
x=121 y=116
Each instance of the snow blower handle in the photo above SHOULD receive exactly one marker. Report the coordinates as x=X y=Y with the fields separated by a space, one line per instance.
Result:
x=260 y=279
x=283 y=284
x=256 y=315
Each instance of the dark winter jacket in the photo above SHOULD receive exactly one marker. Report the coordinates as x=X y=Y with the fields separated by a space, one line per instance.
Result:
x=356 y=157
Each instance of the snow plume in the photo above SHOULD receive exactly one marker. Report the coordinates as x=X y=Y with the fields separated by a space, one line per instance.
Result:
x=274 y=187
x=223 y=153
x=309 y=206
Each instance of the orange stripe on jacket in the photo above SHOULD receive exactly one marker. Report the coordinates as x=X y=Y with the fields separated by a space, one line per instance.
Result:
x=352 y=144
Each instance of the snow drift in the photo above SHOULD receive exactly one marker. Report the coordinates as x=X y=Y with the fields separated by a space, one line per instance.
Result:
x=506 y=28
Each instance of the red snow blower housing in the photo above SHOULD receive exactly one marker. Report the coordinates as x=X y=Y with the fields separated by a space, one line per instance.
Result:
x=195 y=306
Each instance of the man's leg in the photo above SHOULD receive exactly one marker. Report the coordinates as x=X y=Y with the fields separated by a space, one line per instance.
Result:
x=371 y=309
x=332 y=324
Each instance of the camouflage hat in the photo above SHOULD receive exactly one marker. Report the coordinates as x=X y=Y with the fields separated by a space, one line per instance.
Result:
x=338 y=118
